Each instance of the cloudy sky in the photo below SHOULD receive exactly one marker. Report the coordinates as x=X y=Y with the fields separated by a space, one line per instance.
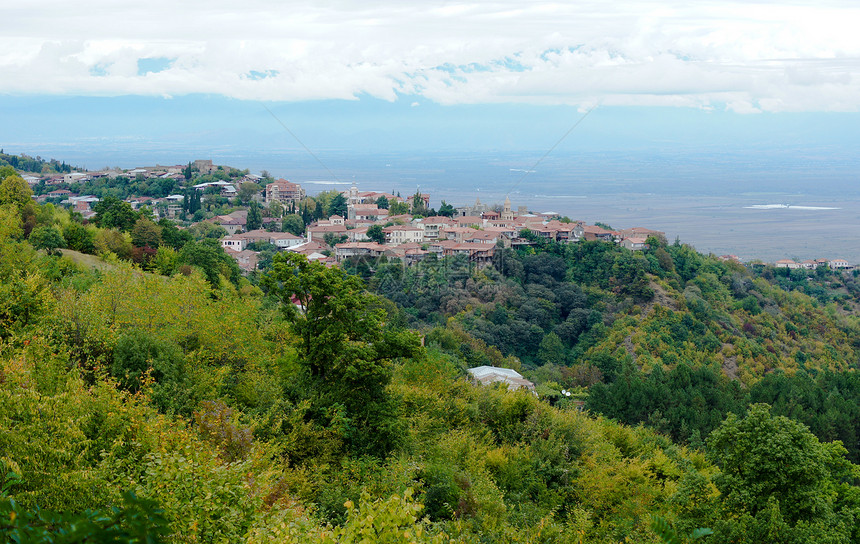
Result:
x=425 y=72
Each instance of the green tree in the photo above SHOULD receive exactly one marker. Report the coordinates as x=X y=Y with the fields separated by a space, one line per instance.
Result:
x=551 y=350
x=48 y=238
x=293 y=224
x=275 y=209
x=375 y=233
x=248 y=191
x=114 y=241
x=332 y=238
x=165 y=261
x=146 y=234
x=338 y=206
x=255 y=217
x=112 y=212
x=205 y=230
x=418 y=206
x=345 y=348
x=172 y=236
x=398 y=208
x=382 y=202
x=79 y=238
x=331 y=311
x=446 y=209
x=13 y=188
x=139 y=521
x=776 y=477
x=209 y=256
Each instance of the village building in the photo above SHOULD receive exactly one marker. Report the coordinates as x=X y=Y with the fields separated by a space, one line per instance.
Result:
x=285 y=192
x=734 y=258
x=432 y=226
x=317 y=233
x=234 y=243
x=634 y=244
x=507 y=213
x=410 y=253
x=403 y=234
x=481 y=236
x=284 y=240
x=593 y=232
x=366 y=212
x=358 y=234
x=233 y=222
x=480 y=254
x=472 y=211
x=786 y=263
x=358 y=249
x=641 y=232
x=470 y=221
x=204 y=166
x=456 y=233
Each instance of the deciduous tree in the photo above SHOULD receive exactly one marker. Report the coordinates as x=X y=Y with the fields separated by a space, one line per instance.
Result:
x=48 y=238
x=375 y=233
x=344 y=345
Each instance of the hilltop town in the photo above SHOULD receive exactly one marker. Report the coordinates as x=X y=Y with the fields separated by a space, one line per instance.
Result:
x=258 y=212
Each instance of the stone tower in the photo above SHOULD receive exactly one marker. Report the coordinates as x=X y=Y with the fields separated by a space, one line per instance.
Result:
x=507 y=213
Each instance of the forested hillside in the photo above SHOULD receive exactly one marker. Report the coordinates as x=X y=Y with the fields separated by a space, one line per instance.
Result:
x=665 y=337
x=194 y=406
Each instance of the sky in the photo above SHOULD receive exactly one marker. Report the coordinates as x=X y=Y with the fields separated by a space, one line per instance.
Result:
x=132 y=78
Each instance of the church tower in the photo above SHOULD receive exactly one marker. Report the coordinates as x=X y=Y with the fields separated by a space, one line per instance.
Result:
x=507 y=214
x=352 y=201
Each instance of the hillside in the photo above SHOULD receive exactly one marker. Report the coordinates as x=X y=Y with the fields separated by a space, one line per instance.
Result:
x=711 y=336
x=194 y=406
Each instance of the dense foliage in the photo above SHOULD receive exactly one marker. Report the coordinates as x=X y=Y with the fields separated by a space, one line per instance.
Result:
x=665 y=337
x=192 y=406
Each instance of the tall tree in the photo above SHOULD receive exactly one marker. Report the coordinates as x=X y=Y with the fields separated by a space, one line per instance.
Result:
x=345 y=347
x=338 y=206
x=255 y=216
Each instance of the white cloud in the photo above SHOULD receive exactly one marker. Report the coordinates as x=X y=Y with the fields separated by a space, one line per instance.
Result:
x=745 y=56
